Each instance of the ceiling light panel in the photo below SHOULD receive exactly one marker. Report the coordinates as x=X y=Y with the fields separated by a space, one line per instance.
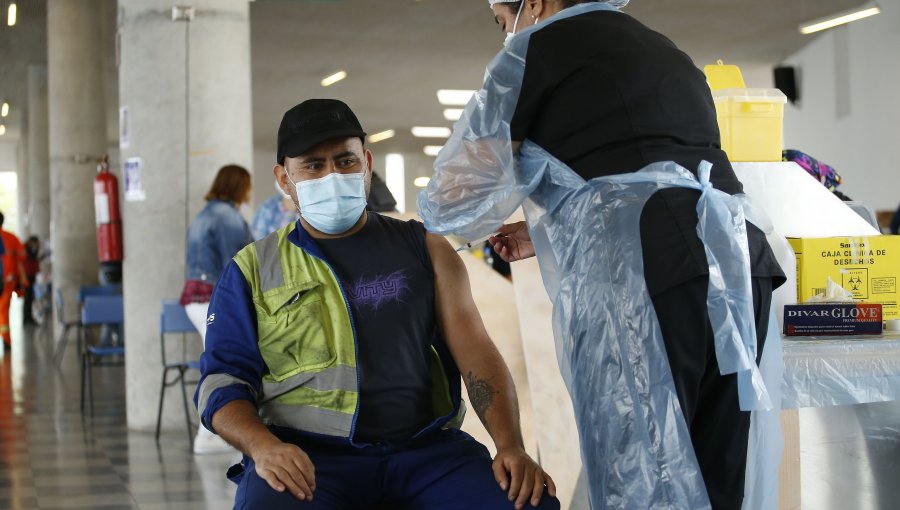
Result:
x=432 y=150
x=454 y=97
x=382 y=136
x=453 y=114
x=838 y=19
x=431 y=132
x=334 y=78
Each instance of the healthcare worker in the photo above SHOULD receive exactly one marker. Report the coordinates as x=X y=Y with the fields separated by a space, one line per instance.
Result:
x=655 y=318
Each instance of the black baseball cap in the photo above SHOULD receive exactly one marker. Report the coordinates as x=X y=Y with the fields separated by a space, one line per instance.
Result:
x=312 y=122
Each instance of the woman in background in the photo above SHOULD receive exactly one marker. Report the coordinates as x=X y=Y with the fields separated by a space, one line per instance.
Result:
x=213 y=238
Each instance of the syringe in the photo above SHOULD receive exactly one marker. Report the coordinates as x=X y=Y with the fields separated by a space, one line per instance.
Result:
x=478 y=241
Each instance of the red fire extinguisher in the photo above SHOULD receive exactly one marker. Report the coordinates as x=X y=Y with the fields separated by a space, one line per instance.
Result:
x=106 y=210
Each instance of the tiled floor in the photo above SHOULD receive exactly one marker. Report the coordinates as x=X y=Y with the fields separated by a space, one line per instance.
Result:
x=53 y=457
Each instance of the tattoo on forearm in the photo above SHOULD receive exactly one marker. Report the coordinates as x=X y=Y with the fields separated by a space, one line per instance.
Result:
x=481 y=393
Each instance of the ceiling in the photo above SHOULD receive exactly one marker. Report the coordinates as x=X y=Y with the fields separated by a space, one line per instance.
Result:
x=20 y=45
x=397 y=53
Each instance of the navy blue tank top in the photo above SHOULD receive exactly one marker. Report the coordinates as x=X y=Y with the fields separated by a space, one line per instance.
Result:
x=386 y=273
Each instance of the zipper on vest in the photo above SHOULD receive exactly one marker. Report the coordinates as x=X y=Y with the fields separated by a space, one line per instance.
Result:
x=305 y=289
x=289 y=302
x=296 y=297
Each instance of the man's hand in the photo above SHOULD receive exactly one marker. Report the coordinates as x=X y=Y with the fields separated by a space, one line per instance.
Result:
x=514 y=244
x=285 y=466
x=521 y=478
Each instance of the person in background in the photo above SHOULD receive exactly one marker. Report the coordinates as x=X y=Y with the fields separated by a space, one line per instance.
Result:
x=2 y=256
x=213 y=238
x=380 y=198
x=32 y=268
x=275 y=212
x=14 y=279
x=496 y=261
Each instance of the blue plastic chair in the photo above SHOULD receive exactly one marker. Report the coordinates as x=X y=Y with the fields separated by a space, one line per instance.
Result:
x=173 y=319
x=102 y=290
x=83 y=293
x=103 y=311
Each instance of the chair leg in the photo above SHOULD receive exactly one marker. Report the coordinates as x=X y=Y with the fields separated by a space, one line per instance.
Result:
x=90 y=382
x=61 y=346
x=80 y=336
x=83 y=375
x=162 y=396
x=187 y=412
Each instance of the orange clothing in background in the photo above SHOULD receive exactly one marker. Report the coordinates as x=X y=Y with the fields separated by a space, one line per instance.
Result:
x=13 y=277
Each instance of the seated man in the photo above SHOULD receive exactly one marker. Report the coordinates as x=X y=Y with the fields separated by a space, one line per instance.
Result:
x=335 y=346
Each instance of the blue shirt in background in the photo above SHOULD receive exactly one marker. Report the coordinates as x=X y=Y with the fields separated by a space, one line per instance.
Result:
x=214 y=237
x=271 y=215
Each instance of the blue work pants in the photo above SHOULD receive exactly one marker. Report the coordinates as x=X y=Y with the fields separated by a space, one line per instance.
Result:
x=449 y=470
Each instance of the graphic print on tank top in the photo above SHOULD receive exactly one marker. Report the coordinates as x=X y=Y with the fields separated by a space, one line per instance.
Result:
x=386 y=276
x=375 y=292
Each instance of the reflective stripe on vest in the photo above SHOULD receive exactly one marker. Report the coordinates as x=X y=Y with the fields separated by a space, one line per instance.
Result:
x=340 y=377
x=270 y=274
x=214 y=382
x=314 y=419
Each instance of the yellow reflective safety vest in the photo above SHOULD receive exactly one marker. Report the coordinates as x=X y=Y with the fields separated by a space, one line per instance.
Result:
x=307 y=340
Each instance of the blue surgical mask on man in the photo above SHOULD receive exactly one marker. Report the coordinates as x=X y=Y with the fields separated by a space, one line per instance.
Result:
x=334 y=203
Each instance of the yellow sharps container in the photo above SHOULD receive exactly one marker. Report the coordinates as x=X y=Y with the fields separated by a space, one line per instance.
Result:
x=751 y=121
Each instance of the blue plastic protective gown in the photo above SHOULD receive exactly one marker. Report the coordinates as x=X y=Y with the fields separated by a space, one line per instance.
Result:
x=636 y=447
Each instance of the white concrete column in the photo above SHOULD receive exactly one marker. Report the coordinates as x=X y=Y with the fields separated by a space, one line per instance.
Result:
x=22 y=185
x=77 y=135
x=186 y=85
x=38 y=206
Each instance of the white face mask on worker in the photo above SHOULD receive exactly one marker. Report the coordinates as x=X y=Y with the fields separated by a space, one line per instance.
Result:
x=512 y=34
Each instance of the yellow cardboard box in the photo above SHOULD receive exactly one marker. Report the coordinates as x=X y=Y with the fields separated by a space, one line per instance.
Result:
x=867 y=266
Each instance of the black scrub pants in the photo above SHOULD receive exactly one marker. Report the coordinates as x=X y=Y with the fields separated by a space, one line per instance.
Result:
x=719 y=429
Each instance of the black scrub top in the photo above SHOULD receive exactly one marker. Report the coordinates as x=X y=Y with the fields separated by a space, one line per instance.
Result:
x=607 y=95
